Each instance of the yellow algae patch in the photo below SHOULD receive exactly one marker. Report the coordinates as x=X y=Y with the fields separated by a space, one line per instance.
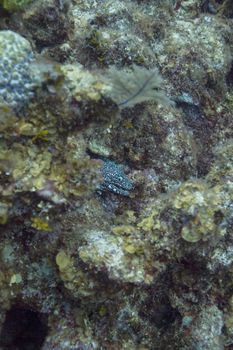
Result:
x=40 y=224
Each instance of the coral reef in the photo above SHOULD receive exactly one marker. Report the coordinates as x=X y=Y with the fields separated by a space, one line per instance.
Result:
x=116 y=175
x=16 y=82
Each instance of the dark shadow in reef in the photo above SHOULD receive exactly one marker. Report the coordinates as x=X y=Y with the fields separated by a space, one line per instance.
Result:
x=23 y=329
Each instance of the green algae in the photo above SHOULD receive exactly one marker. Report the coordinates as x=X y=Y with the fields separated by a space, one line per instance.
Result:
x=15 y=5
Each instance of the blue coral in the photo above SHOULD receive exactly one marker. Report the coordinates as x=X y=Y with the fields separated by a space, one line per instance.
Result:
x=115 y=180
x=16 y=82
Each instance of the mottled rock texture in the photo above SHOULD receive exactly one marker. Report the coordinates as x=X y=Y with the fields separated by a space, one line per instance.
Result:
x=116 y=175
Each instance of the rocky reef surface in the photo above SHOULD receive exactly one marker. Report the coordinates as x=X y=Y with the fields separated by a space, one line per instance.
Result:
x=116 y=175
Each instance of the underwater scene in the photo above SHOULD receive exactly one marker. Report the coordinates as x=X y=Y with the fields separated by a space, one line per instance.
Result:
x=116 y=174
